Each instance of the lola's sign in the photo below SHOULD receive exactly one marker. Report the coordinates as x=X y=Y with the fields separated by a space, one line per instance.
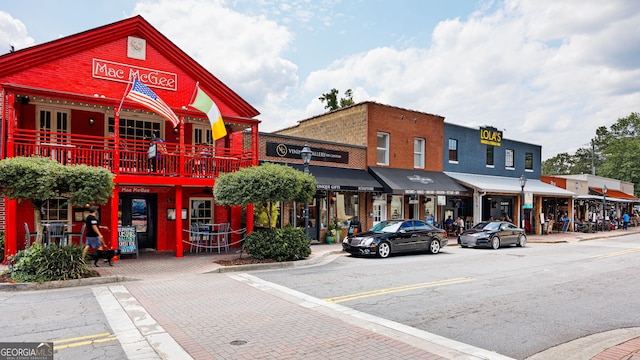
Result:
x=109 y=70
x=490 y=136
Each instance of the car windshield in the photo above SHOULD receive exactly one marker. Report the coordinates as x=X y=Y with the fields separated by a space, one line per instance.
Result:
x=493 y=225
x=387 y=226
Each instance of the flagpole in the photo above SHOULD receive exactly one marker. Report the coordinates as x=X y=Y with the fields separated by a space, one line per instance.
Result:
x=123 y=96
x=194 y=93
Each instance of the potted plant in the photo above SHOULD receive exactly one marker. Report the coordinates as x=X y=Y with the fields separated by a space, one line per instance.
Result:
x=334 y=230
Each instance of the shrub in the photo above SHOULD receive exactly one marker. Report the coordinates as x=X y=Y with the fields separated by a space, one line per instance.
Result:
x=278 y=244
x=38 y=263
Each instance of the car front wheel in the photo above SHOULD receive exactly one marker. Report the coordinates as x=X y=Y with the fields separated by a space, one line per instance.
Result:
x=522 y=240
x=495 y=243
x=434 y=246
x=384 y=249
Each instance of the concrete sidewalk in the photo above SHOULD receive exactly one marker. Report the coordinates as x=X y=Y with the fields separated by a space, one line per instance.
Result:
x=250 y=318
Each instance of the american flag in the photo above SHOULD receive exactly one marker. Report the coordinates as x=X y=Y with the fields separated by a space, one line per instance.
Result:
x=141 y=94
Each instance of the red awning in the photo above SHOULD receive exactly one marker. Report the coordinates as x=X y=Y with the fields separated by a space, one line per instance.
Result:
x=615 y=194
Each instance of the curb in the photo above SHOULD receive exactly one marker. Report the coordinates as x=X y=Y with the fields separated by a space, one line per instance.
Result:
x=63 y=283
x=58 y=284
x=277 y=265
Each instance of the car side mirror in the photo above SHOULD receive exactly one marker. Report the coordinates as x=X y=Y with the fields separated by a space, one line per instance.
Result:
x=403 y=231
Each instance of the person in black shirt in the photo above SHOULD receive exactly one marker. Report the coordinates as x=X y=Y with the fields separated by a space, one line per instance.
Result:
x=95 y=240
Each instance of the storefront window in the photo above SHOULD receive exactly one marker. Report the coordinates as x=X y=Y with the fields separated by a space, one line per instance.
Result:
x=429 y=209
x=346 y=207
x=396 y=207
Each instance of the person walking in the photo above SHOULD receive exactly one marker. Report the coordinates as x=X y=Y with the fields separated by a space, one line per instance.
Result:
x=625 y=220
x=95 y=240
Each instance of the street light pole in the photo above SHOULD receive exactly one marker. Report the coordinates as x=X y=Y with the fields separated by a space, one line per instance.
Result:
x=604 y=206
x=305 y=154
x=523 y=182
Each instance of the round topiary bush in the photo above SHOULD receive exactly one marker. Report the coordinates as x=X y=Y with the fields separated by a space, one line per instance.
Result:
x=278 y=244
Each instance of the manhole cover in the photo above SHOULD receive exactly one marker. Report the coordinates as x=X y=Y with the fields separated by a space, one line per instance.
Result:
x=238 y=342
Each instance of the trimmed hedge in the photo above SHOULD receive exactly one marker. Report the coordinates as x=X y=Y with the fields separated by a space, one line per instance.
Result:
x=278 y=244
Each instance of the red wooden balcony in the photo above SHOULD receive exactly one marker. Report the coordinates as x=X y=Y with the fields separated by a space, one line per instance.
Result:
x=186 y=162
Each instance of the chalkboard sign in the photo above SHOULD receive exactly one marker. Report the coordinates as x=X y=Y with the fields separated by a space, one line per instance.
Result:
x=127 y=240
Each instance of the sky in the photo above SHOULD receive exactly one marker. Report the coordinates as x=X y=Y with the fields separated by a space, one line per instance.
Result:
x=545 y=72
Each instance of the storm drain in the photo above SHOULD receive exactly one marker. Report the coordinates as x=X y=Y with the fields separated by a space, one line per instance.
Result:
x=238 y=342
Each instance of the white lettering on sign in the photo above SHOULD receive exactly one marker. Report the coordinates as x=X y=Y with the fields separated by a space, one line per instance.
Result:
x=134 y=190
x=109 y=70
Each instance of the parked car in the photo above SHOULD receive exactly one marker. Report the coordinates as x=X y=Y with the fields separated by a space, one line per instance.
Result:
x=493 y=234
x=396 y=236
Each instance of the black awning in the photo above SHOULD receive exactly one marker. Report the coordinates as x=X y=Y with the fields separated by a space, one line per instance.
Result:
x=342 y=179
x=405 y=181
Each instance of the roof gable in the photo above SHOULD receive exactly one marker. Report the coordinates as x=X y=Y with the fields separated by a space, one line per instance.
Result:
x=31 y=58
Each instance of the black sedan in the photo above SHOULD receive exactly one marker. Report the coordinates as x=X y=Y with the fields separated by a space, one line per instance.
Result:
x=396 y=236
x=493 y=234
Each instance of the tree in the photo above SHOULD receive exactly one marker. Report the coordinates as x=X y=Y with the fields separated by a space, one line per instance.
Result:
x=332 y=99
x=39 y=179
x=560 y=164
x=266 y=185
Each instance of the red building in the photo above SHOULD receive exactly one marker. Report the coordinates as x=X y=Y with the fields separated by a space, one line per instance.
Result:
x=60 y=99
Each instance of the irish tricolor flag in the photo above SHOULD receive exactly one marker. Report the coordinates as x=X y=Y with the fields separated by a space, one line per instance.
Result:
x=204 y=103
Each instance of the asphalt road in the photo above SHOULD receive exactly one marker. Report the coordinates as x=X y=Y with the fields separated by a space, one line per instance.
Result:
x=71 y=318
x=515 y=301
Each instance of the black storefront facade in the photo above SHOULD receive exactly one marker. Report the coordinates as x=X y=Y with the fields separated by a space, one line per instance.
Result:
x=345 y=189
x=420 y=194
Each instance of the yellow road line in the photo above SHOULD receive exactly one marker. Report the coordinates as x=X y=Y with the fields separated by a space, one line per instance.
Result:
x=83 y=340
x=396 y=289
x=617 y=253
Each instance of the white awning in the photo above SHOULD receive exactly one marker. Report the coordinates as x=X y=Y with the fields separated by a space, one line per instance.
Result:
x=508 y=185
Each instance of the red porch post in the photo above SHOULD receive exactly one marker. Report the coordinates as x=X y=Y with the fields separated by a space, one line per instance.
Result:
x=178 y=234
x=113 y=226
x=11 y=206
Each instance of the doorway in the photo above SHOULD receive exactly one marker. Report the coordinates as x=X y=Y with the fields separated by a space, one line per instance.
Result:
x=139 y=210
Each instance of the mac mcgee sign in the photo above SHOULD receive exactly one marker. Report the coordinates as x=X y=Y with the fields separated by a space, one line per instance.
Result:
x=490 y=136
x=108 y=70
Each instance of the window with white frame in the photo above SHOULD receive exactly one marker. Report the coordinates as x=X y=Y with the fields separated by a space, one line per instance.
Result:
x=55 y=210
x=453 y=150
x=528 y=161
x=52 y=120
x=383 y=149
x=508 y=158
x=137 y=129
x=490 y=149
x=202 y=135
x=201 y=210
x=418 y=153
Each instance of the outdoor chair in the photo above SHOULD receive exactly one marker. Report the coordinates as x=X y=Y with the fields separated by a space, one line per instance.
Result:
x=196 y=237
x=80 y=234
x=222 y=236
x=56 y=233
x=28 y=236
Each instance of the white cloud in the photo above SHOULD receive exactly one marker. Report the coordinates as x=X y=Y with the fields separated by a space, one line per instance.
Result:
x=13 y=33
x=549 y=73
x=243 y=51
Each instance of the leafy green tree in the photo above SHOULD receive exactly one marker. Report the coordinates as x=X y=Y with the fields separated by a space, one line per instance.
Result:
x=266 y=185
x=560 y=164
x=39 y=179
x=332 y=99
x=614 y=152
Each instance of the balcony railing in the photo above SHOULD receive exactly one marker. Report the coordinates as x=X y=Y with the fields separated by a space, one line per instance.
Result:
x=191 y=161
